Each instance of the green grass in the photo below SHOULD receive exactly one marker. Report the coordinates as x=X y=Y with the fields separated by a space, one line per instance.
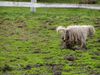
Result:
x=52 y=1
x=29 y=44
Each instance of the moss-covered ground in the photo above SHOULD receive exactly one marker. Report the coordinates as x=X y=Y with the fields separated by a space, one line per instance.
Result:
x=29 y=44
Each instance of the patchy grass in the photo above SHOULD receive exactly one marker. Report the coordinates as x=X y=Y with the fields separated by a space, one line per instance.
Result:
x=29 y=44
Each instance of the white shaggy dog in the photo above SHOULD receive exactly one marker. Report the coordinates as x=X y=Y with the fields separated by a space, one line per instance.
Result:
x=87 y=30
x=75 y=35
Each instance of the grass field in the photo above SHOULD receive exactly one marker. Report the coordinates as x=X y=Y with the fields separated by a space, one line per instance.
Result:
x=29 y=44
x=52 y=1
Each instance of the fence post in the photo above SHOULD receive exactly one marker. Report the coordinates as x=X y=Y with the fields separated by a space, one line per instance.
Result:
x=33 y=9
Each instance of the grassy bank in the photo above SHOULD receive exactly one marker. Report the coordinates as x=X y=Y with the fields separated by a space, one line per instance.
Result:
x=52 y=1
x=29 y=44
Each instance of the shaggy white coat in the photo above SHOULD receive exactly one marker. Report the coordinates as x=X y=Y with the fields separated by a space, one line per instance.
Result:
x=77 y=34
x=87 y=30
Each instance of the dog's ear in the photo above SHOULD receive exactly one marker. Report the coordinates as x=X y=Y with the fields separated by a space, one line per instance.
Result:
x=67 y=34
x=91 y=32
x=64 y=35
